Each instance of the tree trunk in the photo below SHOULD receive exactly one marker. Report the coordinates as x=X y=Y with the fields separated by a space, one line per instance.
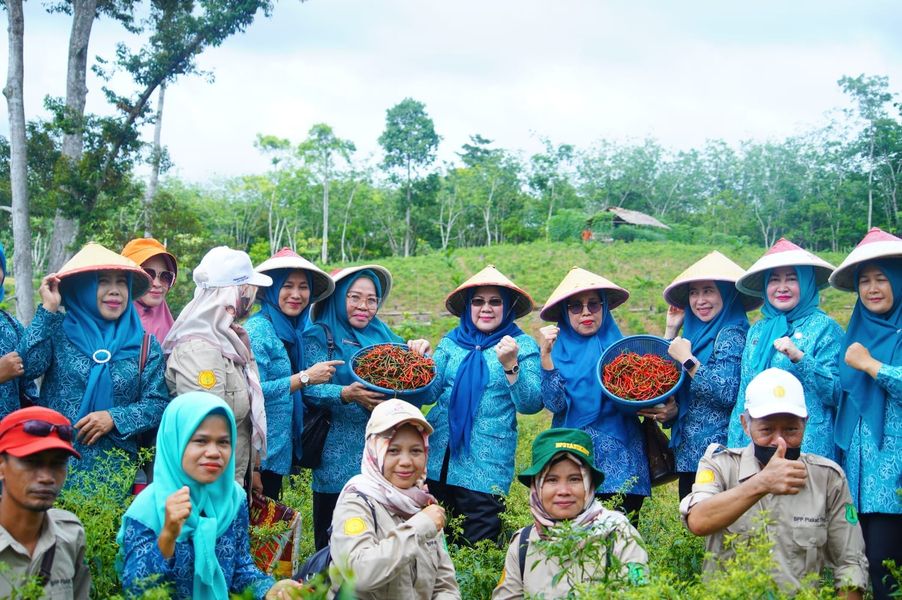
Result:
x=18 y=164
x=151 y=192
x=344 y=225
x=407 y=216
x=324 y=255
x=65 y=228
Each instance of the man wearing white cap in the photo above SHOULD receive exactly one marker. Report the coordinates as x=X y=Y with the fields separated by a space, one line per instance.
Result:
x=806 y=496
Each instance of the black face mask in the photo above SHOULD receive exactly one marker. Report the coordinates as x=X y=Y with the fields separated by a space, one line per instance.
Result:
x=765 y=453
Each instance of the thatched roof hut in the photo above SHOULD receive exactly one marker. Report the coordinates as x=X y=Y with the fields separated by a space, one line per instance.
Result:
x=625 y=216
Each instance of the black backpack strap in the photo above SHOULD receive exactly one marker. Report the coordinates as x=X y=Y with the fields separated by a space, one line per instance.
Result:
x=372 y=509
x=330 y=342
x=145 y=350
x=46 y=566
x=523 y=548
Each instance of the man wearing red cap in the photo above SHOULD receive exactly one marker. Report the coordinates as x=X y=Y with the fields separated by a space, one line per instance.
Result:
x=37 y=540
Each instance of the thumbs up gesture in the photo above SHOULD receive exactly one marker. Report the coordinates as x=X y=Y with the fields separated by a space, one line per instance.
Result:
x=782 y=476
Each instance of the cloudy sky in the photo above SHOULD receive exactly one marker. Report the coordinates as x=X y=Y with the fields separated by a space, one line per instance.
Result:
x=573 y=71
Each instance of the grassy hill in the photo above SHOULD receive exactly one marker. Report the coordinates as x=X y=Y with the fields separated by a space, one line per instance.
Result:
x=416 y=304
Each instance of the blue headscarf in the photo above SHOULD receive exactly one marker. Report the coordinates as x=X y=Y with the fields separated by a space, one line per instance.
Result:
x=576 y=357
x=702 y=337
x=291 y=331
x=88 y=331
x=2 y=266
x=473 y=373
x=777 y=323
x=214 y=506
x=862 y=397
x=349 y=339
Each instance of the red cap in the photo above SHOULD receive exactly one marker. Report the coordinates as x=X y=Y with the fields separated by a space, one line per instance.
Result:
x=14 y=440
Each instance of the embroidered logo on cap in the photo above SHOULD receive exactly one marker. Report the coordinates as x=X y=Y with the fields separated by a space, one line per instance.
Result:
x=779 y=391
x=570 y=446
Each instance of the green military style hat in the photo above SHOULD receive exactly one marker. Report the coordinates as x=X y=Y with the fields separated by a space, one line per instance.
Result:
x=553 y=441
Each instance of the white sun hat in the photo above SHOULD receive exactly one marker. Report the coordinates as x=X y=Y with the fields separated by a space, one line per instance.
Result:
x=875 y=245
x=224 y=267
x=783 y=254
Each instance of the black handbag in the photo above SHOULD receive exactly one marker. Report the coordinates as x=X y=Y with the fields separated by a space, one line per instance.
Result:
x=317 y=421
x=661 y=460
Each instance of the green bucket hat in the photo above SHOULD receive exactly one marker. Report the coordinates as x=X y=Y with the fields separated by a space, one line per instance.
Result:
x=552 y=441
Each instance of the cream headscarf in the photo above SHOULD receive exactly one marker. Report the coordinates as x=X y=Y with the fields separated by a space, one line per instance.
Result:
x=207 y=317
x=373 y=483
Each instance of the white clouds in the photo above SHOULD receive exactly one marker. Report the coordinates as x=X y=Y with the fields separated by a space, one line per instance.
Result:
x=572 y=70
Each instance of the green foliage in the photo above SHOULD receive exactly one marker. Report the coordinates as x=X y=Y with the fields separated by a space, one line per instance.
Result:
x=567 y=225
x=477 y=567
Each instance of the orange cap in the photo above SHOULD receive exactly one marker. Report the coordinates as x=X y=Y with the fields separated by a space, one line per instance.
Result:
x=15 y=440
x=141 y=250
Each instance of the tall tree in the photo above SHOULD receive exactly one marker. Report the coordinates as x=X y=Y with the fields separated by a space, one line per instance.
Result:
x=410 y=143
x=14 y=90
x=871 y=94
x=319 y=152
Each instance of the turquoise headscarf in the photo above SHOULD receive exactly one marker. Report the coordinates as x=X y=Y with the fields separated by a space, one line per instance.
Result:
x=862 y=397
x=349 y=339
x=103 y=340
x=213 y=505
x=778 y=323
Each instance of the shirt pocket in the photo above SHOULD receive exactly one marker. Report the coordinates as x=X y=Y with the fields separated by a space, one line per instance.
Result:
x=808 y=544
x=236 y=391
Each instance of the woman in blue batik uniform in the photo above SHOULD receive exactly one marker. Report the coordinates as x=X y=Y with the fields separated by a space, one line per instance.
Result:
x=714 y=330
x=277 y=341
x=90 y=356
x=581 y=306
x=487 y=371
x=869 y=418
x=12 y=383
x=794 y=335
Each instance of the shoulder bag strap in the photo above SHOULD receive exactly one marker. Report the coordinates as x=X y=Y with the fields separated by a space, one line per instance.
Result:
x=47 y=566
x=523 y=548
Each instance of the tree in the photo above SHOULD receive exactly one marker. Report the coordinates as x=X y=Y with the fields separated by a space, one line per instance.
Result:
x=410 y=143
x=18 y=167
x=871 y=95
x=319 y=151
x=181 y=29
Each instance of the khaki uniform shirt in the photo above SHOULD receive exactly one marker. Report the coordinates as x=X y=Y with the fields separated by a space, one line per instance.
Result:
x=539 y=571
x=402 y=559
x=815 y=528
x=196 y=365
x=69 y=575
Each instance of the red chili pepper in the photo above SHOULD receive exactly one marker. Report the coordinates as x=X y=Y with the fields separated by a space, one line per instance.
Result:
x=394 y=367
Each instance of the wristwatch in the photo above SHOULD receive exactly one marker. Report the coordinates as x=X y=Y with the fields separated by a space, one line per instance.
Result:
x=513 y=370
x=305 y=379
x=690 y=363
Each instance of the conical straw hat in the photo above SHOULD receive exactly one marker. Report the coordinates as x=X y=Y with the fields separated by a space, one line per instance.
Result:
x=713 y=267
x=580 y=280
x=141 y=250
x=286 y=258
x=783 y=254
x=383 y=274
x=876 y=244
x=456 y=302
x=94 y=257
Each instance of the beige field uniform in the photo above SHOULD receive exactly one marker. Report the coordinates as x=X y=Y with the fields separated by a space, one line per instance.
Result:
x=69 y=575
x=195 y=365
x=815 y=528
x=539 y=571
x=403 y=559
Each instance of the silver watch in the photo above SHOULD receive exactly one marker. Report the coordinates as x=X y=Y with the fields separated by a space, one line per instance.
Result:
x=305 y=378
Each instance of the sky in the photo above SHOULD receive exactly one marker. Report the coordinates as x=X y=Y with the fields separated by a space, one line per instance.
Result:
x=571 y=71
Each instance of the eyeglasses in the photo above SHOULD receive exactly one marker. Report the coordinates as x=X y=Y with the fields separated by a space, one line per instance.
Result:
x=371 y=302
x=576 y=308
x=44 y=429
x=166 y=277
x=480 y=302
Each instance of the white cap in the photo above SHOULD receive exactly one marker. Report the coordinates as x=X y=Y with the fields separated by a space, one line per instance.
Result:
x=389 y=414
x=774 y=391
x=224 y=267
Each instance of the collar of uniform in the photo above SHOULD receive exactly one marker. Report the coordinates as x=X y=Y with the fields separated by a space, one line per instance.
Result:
x=45 y=540
x=748 y=464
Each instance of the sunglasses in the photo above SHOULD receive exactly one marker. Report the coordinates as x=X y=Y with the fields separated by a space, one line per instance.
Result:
x=480 y=302
x=44 y=429
x=166 y=277
x=576 y=308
